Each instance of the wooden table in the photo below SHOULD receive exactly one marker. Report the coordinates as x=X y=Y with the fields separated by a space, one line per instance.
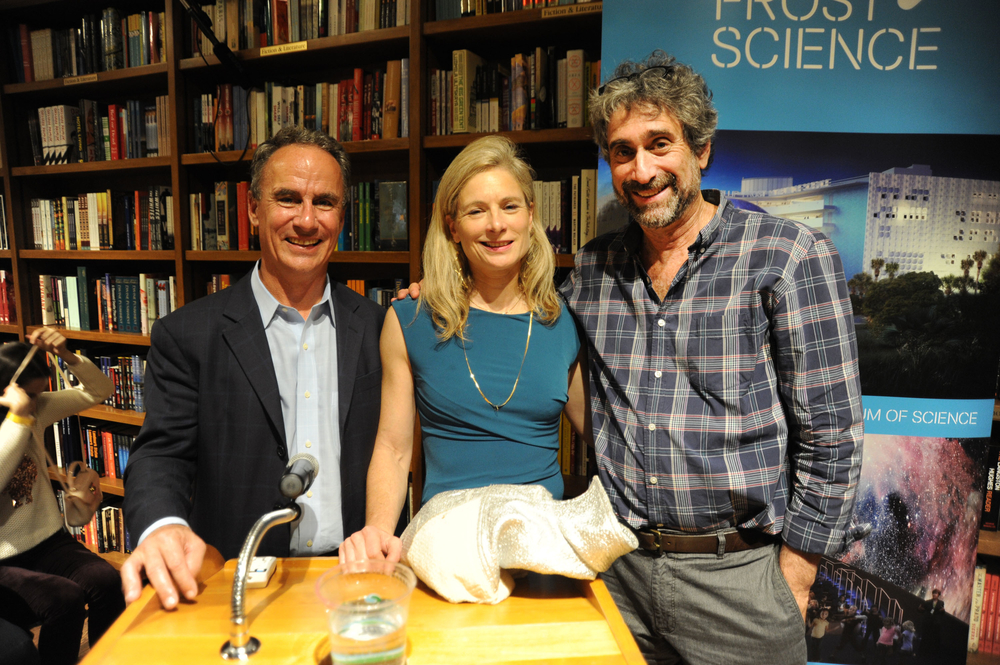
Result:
x=547 y=619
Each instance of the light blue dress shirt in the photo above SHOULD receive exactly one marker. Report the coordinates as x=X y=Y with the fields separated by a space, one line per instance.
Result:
x=304 y=354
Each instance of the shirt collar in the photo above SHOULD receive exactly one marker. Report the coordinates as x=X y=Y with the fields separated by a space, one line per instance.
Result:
x=268 y=304
x=631 y=235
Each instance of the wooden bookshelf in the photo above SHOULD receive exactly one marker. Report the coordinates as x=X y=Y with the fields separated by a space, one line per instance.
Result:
x=129 y=78
x=97 y=255
x=94 y=167
x=111 y=414
x=133 y=339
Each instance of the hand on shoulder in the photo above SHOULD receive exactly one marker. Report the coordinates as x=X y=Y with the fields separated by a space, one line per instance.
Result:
x=412 y=291
x=171 y=558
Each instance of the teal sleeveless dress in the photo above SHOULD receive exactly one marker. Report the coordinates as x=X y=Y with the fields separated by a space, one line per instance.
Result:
x=466 y=442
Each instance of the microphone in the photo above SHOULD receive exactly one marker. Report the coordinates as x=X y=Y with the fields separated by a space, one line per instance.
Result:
x=299 y=475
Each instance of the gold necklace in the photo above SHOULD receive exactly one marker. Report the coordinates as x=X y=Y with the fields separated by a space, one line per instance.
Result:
x=486 y=307
x=531 y=318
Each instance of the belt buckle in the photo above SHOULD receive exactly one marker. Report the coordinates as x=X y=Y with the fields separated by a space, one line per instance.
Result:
x=657 y=539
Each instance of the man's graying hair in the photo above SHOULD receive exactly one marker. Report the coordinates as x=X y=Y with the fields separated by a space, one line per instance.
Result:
x=682 y=92
x=297 y=136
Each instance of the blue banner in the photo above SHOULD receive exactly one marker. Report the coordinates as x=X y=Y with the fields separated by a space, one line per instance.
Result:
x=929 y=418
x=876 y=66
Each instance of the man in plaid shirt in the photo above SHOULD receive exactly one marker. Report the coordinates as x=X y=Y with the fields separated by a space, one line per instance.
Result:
x=724 y=387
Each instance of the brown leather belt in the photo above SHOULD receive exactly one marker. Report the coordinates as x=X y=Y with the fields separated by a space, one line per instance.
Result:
x=719 y=543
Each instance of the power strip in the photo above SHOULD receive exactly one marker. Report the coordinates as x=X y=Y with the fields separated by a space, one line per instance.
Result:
x=261 y=569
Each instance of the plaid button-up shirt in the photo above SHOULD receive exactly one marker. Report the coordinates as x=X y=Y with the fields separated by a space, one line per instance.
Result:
x=735 y=401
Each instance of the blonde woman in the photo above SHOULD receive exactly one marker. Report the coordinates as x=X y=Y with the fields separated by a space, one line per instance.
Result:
x=488 y=355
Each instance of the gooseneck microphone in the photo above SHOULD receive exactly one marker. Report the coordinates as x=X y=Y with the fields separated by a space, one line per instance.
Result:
x=299 y=475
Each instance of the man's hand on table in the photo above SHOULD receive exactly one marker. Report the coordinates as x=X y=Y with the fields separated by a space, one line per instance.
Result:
x=371 y=543
x=171 y=556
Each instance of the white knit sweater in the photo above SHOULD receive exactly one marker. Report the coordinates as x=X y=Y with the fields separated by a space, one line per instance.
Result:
x=24 y=527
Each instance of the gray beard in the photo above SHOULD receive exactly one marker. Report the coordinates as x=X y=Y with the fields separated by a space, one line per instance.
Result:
x=660 y=215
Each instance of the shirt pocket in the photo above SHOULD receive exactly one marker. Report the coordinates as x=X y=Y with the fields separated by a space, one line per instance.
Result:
x=722 y=351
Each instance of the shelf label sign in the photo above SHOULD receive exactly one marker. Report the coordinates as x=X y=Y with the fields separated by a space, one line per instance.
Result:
x=74 y=80
x=586 y=8
x=283 y=48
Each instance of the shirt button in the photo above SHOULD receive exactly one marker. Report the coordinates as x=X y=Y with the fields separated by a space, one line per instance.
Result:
x=305 y=347
x=309 y=494
x=661 y=322
x=307 y=394
x=309 y=543
x=309 y=444
x=652 y=480
x=651 y=427
x=658 y=374
x=284 y=310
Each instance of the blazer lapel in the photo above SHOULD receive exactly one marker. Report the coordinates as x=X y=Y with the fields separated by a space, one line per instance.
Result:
x=248 y=342
x=349 y=332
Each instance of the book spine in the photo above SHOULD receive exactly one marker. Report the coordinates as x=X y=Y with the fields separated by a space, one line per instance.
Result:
x=991 y=498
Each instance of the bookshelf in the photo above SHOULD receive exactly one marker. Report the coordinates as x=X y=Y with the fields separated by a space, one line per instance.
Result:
x=418 y=158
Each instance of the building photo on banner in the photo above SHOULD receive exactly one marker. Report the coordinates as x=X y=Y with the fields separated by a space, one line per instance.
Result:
x=874 y=122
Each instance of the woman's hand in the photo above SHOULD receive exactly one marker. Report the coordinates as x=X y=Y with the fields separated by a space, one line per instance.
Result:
x=17 y=401
x=51 y=340
x=371 y=543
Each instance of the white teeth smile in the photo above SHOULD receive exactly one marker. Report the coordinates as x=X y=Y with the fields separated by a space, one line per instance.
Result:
x=498 y=244
x=303 y=243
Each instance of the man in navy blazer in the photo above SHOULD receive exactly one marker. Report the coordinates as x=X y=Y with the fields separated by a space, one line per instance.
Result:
x=285 y=361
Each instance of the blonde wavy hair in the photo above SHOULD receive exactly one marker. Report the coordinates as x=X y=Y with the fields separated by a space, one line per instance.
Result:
x=448 y=282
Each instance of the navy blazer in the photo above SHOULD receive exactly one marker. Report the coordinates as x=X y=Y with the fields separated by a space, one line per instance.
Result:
x=212 y=448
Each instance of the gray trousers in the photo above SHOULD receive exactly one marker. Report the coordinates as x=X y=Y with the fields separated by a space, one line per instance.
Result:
x=701 y=609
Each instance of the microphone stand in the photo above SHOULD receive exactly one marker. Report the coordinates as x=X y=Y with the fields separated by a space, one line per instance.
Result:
x=221 y=51
x=241 y=644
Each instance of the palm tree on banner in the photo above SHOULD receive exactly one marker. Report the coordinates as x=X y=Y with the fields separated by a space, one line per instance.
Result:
x=877 y=265
x=979 y=256
x=891 y=269
x=860 y=283
x=949 y=282
x=967 y=264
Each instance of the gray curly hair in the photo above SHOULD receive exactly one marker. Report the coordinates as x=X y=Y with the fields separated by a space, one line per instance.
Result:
x=679 y=89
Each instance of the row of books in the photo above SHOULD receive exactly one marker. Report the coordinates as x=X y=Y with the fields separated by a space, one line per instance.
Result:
x=534 y=90
x=220 y=219
x=242 y=24
x=375 y=217
x=567 y=209
x=106 y=447
x=142 y=219
x=73 y=439
x=66 y=134
x=984 y=618
x=97 y=44
x=111 y=303
x=449 y=9
x=105 y=532
x=372 y=104
x=8 y=309
x=381 y=292
x=219 y=281
x=127 y=373
x=573 y=459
